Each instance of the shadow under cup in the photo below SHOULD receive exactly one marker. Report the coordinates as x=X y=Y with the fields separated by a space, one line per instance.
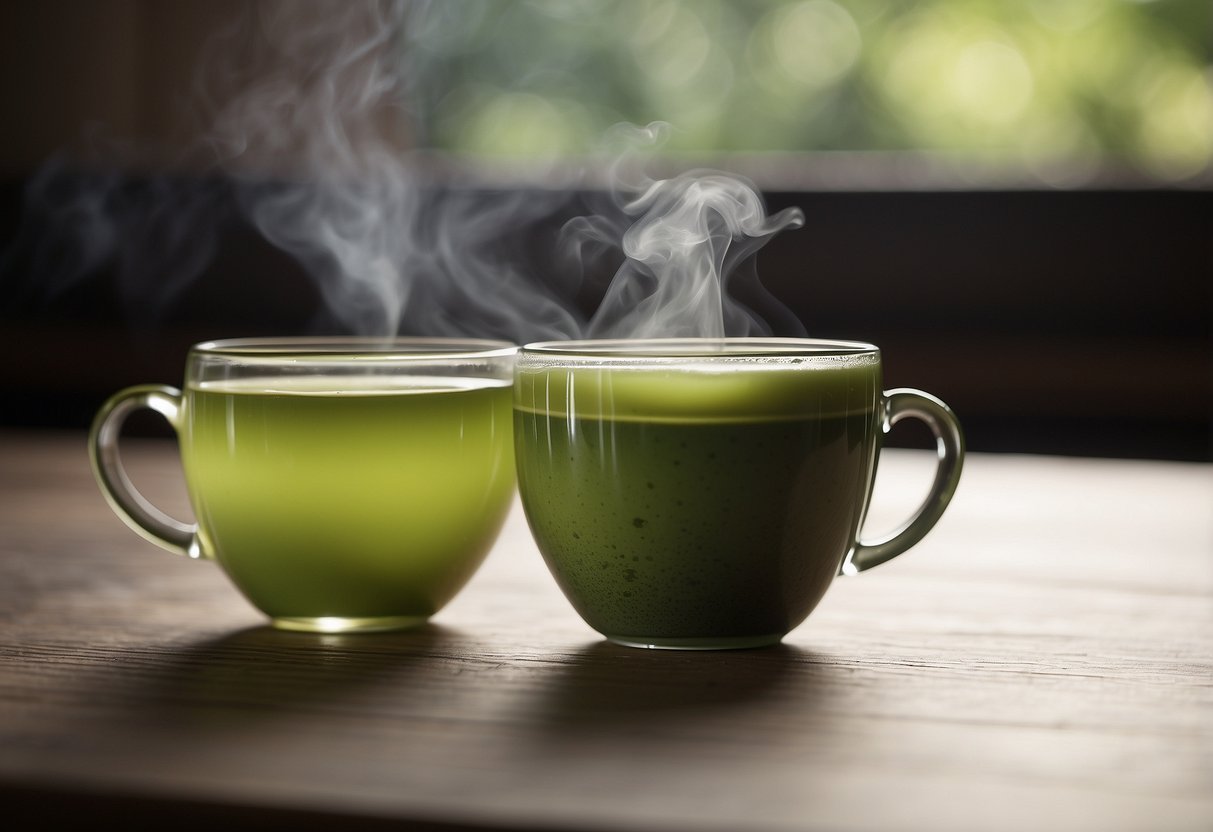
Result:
x=703 y=494
x=343 y=484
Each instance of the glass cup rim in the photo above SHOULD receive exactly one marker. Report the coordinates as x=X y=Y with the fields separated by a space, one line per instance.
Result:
x=352 y=347
x=666 y=349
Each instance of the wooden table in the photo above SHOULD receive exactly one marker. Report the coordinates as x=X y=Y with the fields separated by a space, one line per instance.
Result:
x=1043 y=660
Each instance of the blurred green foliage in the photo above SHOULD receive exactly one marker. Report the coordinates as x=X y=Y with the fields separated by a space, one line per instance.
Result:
x=1044 y=84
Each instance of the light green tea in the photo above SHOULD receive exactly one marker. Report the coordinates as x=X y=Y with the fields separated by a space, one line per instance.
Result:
x=347 y=497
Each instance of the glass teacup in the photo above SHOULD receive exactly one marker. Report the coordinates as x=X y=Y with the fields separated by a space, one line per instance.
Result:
x=343 y=484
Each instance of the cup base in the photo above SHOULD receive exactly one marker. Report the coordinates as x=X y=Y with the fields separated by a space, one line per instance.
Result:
x=710 y=643
x=339 y=624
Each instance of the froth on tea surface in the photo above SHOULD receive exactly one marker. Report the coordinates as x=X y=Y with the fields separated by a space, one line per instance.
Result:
x=764 y=389
x=676 y=506
x=353 y=497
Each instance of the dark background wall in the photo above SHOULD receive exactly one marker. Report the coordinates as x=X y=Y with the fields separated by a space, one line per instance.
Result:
x=1058 y=322
x=1053 y=322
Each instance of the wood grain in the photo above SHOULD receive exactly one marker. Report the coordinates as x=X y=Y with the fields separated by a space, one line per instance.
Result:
x=1043 y=659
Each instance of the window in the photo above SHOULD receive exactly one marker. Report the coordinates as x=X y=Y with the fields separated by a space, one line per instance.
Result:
x=1056 y=90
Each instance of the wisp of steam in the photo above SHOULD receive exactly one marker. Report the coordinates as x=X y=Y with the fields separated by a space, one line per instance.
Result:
x=684 y=241
x=307 y=110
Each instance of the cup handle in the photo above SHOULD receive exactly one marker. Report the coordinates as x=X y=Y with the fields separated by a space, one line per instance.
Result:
x=949 y=442
x=132 y=507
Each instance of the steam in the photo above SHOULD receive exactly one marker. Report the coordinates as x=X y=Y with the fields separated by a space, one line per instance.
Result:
x=389 y=251
x=690 y=235
x=152 y=235
x=307 y=108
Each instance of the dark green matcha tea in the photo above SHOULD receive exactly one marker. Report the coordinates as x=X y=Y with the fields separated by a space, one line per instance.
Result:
x=697 y=505
x=331 y=498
